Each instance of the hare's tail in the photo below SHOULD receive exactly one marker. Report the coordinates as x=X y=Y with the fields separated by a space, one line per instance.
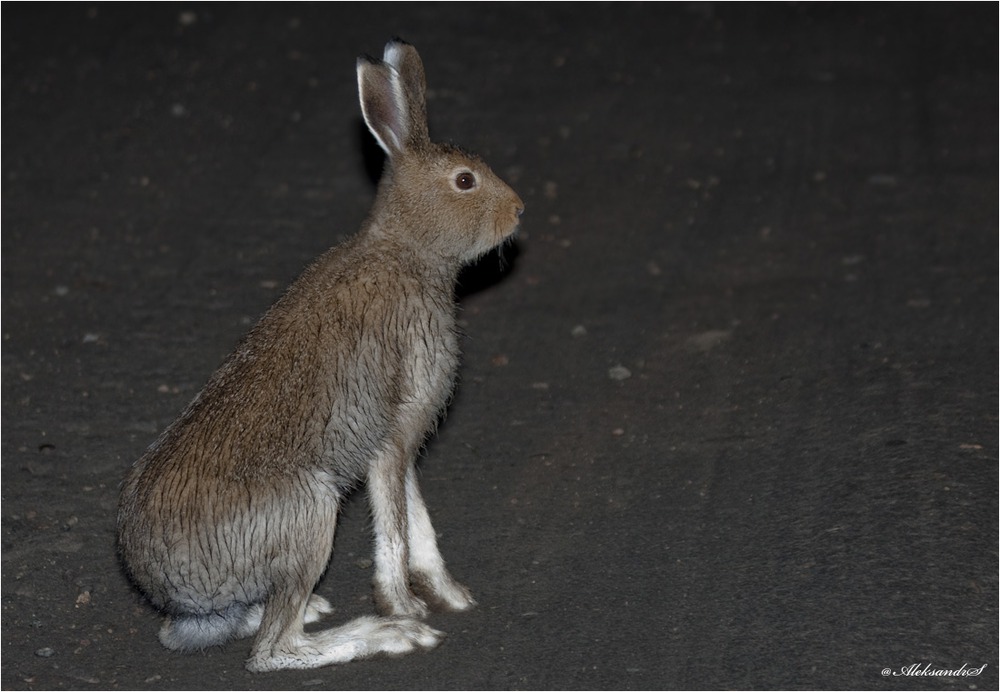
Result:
x=193 y=632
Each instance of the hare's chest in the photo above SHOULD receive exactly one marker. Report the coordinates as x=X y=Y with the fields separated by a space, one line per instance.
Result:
x=432 y=367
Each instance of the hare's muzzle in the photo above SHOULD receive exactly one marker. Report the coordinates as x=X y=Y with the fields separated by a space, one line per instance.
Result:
x=518 y=205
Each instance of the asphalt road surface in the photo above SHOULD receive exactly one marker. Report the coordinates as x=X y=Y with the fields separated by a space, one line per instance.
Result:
x=728 y=410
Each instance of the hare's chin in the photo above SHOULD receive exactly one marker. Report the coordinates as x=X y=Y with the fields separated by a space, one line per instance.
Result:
x=510 y=229
x=506 y=235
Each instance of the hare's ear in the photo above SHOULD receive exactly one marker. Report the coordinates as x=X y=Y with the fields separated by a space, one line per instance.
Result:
x=392 y=98
x=406 y=61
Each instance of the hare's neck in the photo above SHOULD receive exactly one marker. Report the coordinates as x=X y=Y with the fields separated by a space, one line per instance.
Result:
x=413 y=246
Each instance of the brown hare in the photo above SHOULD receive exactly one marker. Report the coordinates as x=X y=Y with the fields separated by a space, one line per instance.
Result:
x=227 y=522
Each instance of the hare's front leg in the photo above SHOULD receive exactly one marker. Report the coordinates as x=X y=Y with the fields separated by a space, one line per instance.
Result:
x=428 y=574
x=387 y=494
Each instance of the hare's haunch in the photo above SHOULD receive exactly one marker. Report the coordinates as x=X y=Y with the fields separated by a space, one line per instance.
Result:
x=227 y=522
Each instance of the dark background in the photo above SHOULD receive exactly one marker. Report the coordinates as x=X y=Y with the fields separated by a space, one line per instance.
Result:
x=728 y=411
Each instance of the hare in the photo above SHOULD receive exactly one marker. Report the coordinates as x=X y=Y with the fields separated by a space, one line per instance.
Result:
x=226 y=523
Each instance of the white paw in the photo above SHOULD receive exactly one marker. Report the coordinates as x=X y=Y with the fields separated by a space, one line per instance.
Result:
x=400 y=603
x=457 y=596
x=316 y=609
x=442 y=591
x=398 y=636
x=360 y=638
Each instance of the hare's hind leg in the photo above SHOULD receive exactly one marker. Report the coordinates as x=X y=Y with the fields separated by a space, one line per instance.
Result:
x=282 y=643
x=428 y=574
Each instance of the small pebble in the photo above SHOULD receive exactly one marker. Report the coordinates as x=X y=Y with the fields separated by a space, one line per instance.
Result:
x=619 y=372
x=44 y=652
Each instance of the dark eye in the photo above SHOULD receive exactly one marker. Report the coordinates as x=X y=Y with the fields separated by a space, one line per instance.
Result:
x=465 y=180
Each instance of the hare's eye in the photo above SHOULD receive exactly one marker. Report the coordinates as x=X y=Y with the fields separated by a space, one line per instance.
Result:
x=465 y=180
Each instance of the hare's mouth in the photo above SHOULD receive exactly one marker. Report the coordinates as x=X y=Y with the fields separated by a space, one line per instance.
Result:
x=510 y=229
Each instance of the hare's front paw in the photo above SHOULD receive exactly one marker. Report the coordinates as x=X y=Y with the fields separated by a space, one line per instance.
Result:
x=442 y=592
x=399 y=602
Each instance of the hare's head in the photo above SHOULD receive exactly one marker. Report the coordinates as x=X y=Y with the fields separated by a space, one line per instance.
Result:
x=434 y=197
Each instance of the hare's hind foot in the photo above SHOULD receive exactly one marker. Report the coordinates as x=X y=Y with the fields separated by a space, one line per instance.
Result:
x=316 y=608
x=360 y=638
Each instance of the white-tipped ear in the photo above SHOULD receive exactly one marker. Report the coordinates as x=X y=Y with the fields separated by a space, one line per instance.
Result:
x=384 y=105
x=394 y=51
x=405 y=60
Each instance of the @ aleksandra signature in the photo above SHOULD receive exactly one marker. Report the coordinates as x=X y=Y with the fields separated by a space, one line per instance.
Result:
x=929 y=670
